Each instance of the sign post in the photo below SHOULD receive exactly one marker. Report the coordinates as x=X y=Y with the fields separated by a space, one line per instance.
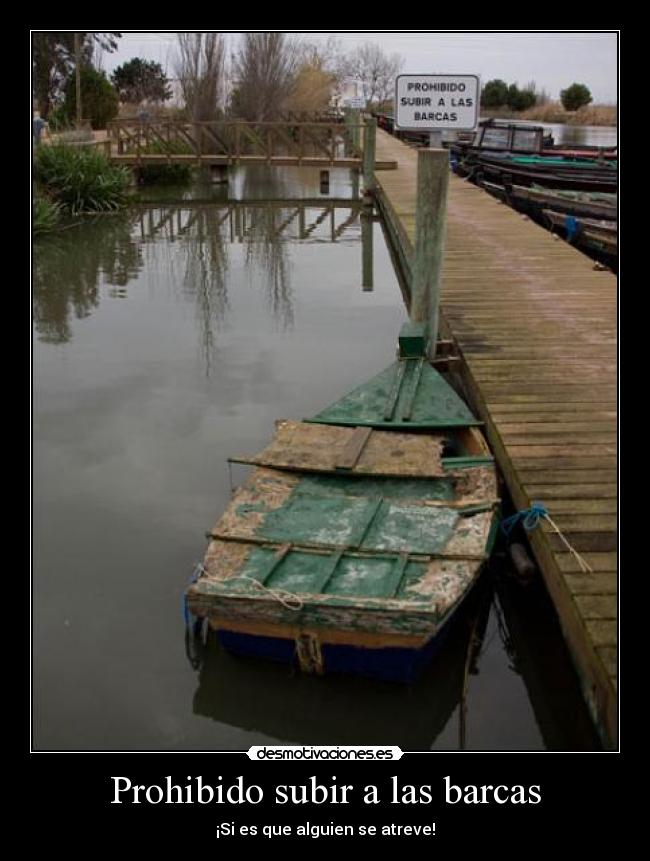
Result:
x=433 y=103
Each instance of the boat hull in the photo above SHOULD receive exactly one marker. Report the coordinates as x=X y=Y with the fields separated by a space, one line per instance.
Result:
x=392 y=663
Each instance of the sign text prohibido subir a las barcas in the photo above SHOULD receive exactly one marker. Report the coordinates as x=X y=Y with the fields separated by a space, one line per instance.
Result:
x=437 y=102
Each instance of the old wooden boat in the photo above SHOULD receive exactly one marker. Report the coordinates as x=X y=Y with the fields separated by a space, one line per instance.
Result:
x=601 y=235
x=509 y=169
x=536 y=198
x=359 y=531
x=500 y=136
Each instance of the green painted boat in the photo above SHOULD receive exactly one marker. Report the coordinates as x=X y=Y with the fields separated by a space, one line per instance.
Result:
x=358 y=532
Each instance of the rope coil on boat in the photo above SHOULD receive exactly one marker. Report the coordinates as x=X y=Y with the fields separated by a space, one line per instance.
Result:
x=530 y=519
x=288 y=599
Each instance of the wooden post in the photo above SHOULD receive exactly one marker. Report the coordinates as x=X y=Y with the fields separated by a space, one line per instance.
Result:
x=430 y=219
x=369 y=140
x=366 y=251
x=356 y=130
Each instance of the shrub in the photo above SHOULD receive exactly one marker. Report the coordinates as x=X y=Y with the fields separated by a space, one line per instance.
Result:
x=45 y=215
x=574 y=97
x=519 y=100
x=494 y=94
x=166 y=174
x=80 y=179
x=99 y=100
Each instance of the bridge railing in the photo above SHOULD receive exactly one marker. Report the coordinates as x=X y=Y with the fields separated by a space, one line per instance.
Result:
x=236 y=139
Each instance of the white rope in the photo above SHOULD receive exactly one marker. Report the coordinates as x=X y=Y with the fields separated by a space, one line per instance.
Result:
x=584 y=567
x=288 y=599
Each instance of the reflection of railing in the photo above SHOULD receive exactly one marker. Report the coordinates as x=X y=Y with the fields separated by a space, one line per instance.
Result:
x=235 y=141
x=297 y=220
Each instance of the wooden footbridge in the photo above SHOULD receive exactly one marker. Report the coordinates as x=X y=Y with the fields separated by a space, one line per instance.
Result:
x=534 y=324
x=220 y=144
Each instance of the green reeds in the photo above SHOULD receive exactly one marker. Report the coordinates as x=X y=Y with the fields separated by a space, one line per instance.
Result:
x=45 y=215
x=80 y=179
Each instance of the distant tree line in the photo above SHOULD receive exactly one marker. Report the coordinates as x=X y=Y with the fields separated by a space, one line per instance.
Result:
x=498 y=94
x=267 y=75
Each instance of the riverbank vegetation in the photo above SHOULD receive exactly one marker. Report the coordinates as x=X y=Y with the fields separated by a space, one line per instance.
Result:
x=45 y=215
x=553 y=112
x=574 y=108
x=79 y=179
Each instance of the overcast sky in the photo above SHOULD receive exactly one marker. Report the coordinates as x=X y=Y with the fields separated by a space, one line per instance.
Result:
x=552 y=59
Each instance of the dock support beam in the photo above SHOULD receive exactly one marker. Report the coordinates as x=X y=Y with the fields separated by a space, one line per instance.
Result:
x=369 y=144
x=366 y=250
x=430 y=223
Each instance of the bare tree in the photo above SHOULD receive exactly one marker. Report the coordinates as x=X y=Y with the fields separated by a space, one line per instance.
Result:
x=375 y=70
x=200 y=68
x=264 y=70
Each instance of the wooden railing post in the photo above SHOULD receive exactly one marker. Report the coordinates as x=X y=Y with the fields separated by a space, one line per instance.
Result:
x=430 y=222
x=369 y=142
x=198 y=131
x=356 y=131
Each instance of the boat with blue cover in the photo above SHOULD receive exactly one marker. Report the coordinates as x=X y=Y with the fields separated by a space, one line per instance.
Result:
x=359 y=531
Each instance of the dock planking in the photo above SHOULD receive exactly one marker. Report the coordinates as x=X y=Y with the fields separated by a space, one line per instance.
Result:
x=536 y=326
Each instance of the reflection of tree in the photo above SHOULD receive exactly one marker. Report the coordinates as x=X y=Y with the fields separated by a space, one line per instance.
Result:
x=266 y=249
x=206 y=271
x=67 y=267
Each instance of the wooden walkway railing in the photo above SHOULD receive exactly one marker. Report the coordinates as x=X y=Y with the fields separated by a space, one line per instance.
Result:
x=315 y=144
x=233 y=139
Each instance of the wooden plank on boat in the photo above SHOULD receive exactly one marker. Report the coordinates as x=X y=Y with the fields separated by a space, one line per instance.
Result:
x=310 y=447
x=276 y=508
x=332 y=591
x=353 y=448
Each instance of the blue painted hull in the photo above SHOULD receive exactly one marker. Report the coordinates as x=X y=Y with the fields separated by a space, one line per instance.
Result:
x=390 y=664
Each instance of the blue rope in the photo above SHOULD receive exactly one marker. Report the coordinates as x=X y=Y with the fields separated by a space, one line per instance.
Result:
x=193 y=578
x=530 y=518
x=572 y=226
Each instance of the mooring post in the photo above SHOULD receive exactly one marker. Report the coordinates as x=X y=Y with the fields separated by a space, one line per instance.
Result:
x=366 y=251
x=369 y=144
x=430 y=219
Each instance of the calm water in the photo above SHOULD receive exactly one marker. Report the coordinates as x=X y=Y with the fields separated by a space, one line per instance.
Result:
x=165 y=340
x=605 y=136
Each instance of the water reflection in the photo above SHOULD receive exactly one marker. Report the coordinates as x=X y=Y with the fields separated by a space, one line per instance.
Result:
x=275 y=701
x=195 y=240
x=206 y=274
x=70 y=264
x=445 y=710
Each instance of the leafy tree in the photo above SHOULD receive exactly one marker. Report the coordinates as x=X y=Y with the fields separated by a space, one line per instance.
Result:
x=53 y=60
x=99 y=99
x=519 y=100
x=574 y=97
x=312 y=90
x=139 y=79
x=494 y=94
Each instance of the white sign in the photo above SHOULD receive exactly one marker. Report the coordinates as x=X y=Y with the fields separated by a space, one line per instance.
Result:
x=355 y=103
x=436 y=102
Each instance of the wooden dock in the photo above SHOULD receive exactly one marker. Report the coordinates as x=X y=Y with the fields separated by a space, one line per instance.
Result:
x=535 y=324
